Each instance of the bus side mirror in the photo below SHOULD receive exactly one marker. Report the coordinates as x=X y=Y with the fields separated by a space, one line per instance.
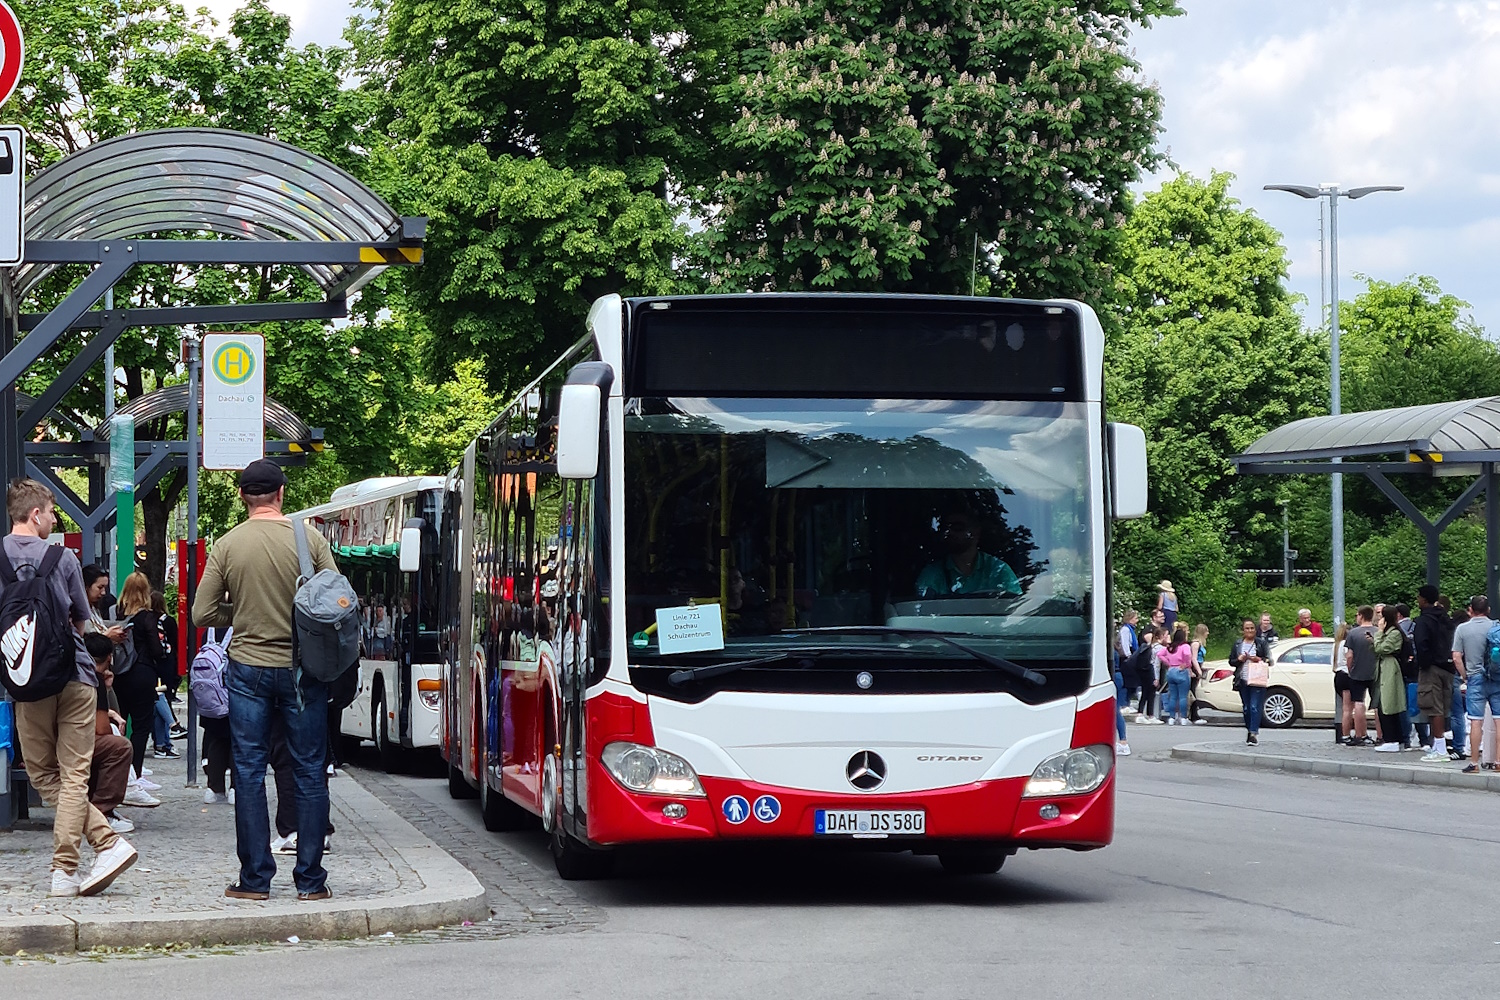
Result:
x=410 y=556
x=578 y=431
x=580 y=413
x=1127 y=452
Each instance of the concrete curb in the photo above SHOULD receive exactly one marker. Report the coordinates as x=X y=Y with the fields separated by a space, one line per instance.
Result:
x=1209 y=753
x=450 y=894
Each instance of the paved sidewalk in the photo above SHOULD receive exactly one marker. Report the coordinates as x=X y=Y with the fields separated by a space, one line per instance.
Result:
x=1323 y=756
x=385 y=876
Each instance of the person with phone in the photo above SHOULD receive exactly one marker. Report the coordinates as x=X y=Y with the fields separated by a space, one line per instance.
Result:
x=1251 y=661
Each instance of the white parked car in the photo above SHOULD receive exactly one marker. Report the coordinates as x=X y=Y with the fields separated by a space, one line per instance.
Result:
x=1301 y=683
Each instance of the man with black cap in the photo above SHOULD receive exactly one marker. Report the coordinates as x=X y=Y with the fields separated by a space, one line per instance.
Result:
x=248 y=582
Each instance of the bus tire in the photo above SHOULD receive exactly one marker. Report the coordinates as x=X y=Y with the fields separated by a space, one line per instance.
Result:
x=392 y=755
x=458 y=785
x=972 y=861
x=577 y=862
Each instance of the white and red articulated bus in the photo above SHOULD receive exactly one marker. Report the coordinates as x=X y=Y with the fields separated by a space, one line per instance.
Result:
x=783 y=566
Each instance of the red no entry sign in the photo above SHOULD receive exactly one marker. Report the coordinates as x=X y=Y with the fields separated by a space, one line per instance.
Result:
x=12 y=51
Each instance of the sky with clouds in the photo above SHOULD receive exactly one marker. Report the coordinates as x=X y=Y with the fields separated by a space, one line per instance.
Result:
x=1309 y=91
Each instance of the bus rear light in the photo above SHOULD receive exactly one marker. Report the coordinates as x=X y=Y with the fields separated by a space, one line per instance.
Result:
x=1072 y=772
x=650 y=770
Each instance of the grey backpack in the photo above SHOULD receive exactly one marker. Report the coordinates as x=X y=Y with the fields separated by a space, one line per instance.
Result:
x=325 y=617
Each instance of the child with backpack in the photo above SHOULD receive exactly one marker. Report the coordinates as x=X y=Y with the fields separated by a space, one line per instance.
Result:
x=206 y=681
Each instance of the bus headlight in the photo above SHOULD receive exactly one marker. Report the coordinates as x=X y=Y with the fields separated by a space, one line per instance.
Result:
x=650 y=769
x=430 y=691
x=1072 y=772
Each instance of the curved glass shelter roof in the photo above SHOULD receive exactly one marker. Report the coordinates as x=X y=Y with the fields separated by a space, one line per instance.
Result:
x=1468 y=429
x=230 y=184
x=174 y=399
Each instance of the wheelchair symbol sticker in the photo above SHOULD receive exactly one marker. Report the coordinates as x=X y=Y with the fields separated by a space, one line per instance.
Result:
x=767 y=808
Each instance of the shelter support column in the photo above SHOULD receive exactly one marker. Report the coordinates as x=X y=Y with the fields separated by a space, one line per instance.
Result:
x=1492 y=535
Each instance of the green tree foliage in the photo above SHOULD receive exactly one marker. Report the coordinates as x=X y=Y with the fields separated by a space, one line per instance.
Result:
x=869 y=144
x=1210 y=353
x=542 y=141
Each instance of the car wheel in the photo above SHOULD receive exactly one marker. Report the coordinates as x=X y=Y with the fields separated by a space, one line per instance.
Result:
x=1281 y=708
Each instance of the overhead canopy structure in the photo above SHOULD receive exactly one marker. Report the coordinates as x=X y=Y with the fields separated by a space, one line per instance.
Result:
x=232 y=184
x=176 y=197
x=1439 y=433
x=1440 y=439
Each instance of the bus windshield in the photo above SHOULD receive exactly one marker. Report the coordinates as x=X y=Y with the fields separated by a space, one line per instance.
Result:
x=968 y=518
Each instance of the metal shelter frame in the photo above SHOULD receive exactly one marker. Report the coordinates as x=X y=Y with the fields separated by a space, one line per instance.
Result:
x=1439 y=440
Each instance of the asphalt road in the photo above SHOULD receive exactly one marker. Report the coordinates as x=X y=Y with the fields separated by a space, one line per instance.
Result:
x=1221 y=883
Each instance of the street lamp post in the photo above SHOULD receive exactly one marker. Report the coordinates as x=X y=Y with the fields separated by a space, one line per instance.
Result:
x=1333 y=193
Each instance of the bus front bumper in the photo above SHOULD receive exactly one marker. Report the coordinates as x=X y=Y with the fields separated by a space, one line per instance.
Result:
x=991 y=811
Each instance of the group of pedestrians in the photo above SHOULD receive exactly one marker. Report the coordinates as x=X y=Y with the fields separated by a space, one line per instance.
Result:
x=109 y=669
x=1157 y=668
x=1429 y=679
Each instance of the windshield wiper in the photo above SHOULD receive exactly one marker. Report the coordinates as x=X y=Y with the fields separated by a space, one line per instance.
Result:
x=729 y=667
x=689 y=674
x=998 y=662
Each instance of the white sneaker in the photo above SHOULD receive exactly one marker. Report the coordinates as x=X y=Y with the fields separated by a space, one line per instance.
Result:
x=284 y=845
x=146 y=772
x=1434 y=757
x=1391 y=748
x=1122 y=749
x=230 y=796
x=1144 y=720
x=64 y=884
x=107 y=867
x=120 y=824
x=140 y=797
x=147 y=785
x=1157 y=722
x=1200 y=722
x=211 y=797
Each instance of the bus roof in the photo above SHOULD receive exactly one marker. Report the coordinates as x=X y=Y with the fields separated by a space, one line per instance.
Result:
x=370 y=490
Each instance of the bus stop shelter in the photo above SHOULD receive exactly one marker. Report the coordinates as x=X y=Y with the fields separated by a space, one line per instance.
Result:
x=185 y=197
x=1442 y=440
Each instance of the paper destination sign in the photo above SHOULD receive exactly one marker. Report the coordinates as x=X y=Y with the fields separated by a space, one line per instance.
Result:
x=689 y=630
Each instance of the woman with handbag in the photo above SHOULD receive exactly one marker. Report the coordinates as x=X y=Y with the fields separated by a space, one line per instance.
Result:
x=1251 y=660
x=1391 y=646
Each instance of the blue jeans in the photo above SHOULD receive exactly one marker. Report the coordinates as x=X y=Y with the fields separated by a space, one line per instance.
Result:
x=1253 y=699
x=161 y=724
x=256 y=696
x=1457 y=717
x=1178 y=681
x=1121 y=700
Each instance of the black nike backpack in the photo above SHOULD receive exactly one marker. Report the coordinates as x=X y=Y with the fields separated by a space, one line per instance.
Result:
x=40 y=656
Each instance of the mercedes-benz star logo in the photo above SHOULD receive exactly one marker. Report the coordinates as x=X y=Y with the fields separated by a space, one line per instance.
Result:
x=865 y=771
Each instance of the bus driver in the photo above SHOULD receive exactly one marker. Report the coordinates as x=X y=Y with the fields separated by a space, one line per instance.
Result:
x=965 y=569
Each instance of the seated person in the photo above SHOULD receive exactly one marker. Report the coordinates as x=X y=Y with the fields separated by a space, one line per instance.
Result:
x=109 y=771
x=965 y=569
x=749 y=610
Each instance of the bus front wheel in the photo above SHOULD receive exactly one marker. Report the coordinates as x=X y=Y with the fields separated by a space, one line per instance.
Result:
x=972 y=861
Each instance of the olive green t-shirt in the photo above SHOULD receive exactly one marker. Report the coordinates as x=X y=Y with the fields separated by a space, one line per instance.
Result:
x=249 y=581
